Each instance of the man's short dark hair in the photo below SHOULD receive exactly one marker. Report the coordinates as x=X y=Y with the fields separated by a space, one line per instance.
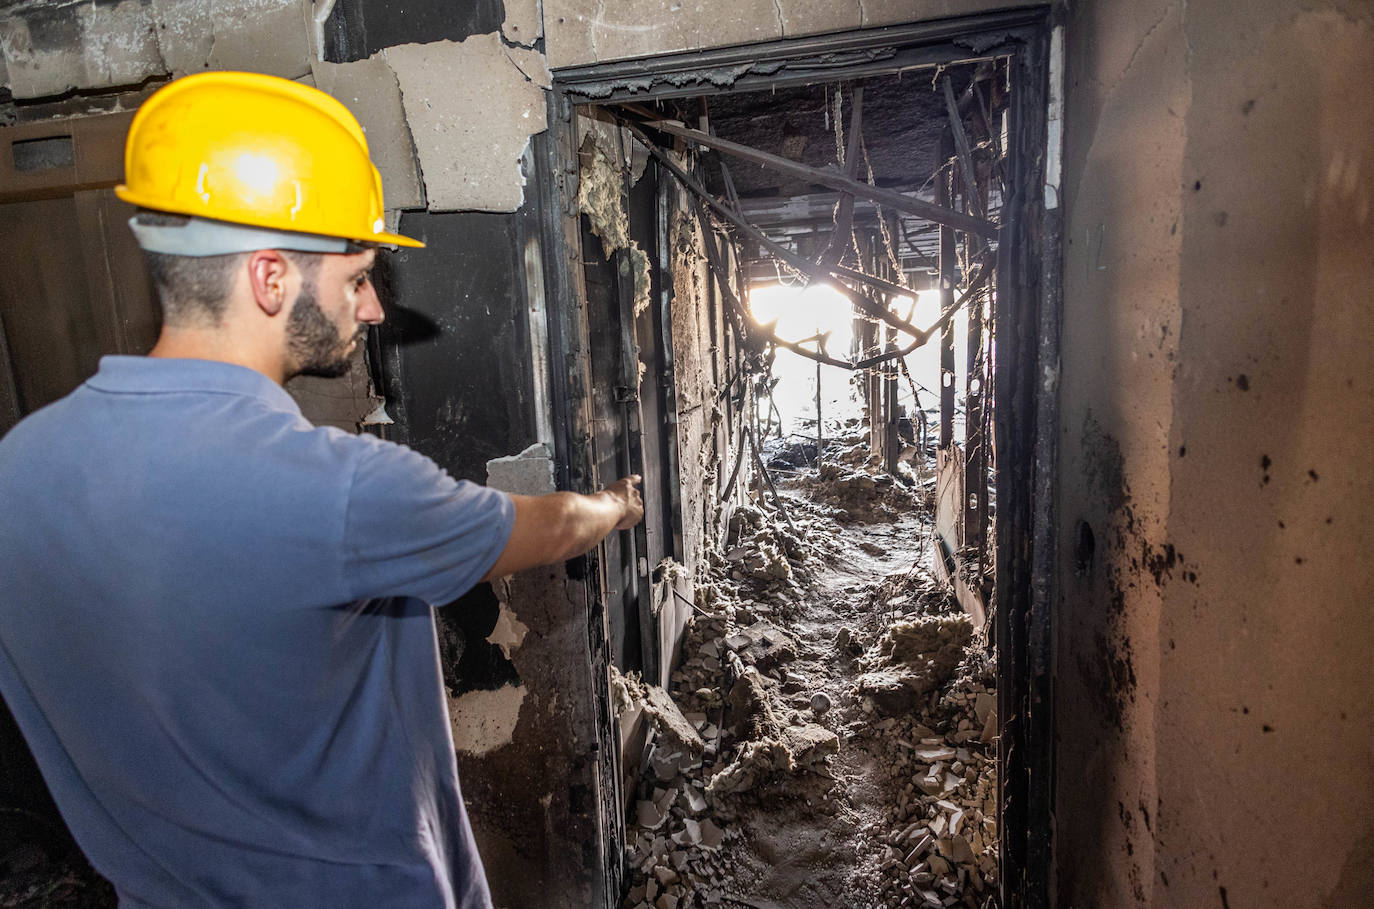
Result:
x=195 y=289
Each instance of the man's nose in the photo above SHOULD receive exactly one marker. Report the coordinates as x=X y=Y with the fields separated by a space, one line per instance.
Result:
x=370 y=307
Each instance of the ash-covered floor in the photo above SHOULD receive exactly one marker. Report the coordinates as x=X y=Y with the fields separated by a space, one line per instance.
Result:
x=829 y=738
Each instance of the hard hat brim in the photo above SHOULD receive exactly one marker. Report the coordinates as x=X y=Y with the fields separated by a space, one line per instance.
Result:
x=381 y=238
x=386 y=238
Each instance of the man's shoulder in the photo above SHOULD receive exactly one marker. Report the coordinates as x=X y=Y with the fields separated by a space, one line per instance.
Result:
x=34 y=433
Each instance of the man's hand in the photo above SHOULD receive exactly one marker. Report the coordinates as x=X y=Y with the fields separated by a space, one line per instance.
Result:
x=556 y=527
x=632 y=504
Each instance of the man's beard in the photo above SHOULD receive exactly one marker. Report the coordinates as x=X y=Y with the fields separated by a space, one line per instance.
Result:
x=314 y=340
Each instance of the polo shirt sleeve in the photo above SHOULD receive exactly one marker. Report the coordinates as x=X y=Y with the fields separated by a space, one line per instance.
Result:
x=412 y=530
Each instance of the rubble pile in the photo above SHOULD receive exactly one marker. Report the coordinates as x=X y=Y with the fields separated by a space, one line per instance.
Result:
x=938 y=842
x=863 y=496
x=774 y=717
x=912 y=592
x=731 y=687
x=674 y=857
x=764 y=552
x=792 y=453
x=912 y=659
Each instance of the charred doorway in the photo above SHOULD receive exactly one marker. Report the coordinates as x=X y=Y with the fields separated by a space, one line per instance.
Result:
x=933 y=173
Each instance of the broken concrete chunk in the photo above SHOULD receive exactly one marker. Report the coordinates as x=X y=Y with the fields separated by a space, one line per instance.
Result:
x=989 y=729
x=648 y=816
x=675 y=732
x=930 y=755
x=983 y=704
x=471 y=132
x=689 y=835
x=665 y=764
x=529 y=473
x=764 y=645
x=694 y=800
x=711 y=835
x=737 y=641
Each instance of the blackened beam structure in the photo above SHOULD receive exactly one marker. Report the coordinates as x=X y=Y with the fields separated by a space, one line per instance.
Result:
x=791 y=259
x=844 y=215
x=899 y=201
x=956 y=129
x=741 y=319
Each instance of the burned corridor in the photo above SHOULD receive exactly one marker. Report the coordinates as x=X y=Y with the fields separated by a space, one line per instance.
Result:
x=829 y=736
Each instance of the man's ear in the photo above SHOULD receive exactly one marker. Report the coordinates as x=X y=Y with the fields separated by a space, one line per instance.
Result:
x=267 y=273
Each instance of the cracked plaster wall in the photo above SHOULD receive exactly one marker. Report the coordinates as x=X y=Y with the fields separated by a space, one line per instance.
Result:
x=1212 y=642
x=442 y=142
x=578 y=32
x=51 y=48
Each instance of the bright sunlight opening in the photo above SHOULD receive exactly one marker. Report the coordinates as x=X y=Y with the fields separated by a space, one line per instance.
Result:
x=804 y=313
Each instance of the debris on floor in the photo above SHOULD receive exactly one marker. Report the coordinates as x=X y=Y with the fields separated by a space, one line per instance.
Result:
x=861 y=496
x=911 y=659
x=845 y=709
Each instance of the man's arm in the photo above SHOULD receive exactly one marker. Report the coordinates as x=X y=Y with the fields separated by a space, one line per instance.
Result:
x=556 y=527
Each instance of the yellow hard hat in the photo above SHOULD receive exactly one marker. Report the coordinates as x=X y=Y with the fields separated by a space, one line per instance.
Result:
x=259 y=151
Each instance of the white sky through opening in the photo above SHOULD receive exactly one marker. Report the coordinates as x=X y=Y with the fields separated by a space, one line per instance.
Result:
x=805 y=312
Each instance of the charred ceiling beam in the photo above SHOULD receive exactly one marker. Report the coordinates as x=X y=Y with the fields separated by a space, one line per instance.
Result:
x=844 y=213
x=790 y=258
x=896 y=200
x=961 y=147
x=751 y=337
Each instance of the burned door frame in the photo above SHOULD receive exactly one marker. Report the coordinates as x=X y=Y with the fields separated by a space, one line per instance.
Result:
x=1026 y=320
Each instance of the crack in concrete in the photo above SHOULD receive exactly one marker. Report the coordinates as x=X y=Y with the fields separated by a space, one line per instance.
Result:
x=157 y=38
x=596 y=21
x=513 y=63
x=214 y=34
x=1146 y=37
x=863 y=15
x=777 y=8
x=1187 y=40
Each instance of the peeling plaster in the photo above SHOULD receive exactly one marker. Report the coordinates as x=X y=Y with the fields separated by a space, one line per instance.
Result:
x=368 y=88
x=472 y=107
x=483 y=721
x=509 y=632
x=529 y=473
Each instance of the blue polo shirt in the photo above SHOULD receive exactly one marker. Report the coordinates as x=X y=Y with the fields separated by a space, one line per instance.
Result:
x=215 y=634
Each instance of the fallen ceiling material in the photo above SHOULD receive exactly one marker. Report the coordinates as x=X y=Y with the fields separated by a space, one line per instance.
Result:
x=776 y=774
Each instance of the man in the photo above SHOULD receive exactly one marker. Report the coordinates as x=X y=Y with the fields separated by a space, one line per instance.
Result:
x=216 y=629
